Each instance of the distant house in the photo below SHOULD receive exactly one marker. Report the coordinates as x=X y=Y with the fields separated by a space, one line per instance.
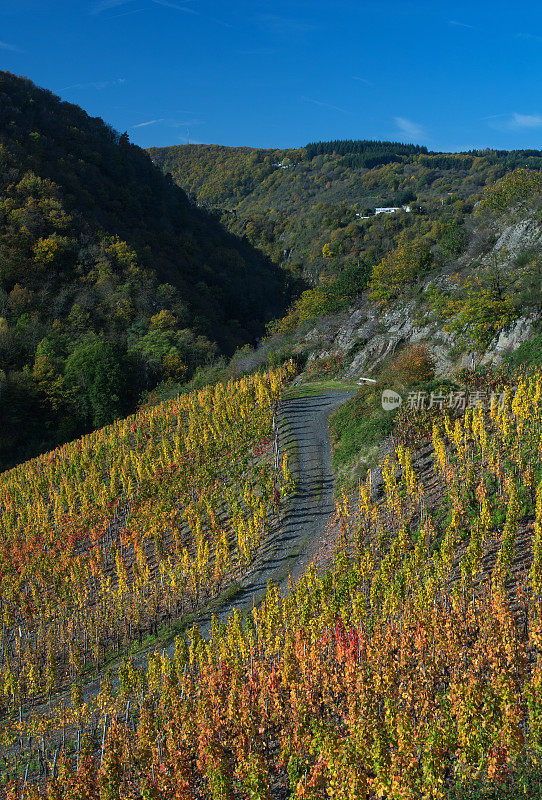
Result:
x=391 y=209
x=282 y=165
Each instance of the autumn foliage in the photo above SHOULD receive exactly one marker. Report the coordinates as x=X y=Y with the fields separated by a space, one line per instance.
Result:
x=405 y=671
x=398 y=270
x=516 y=185
x=414 y=364
x=104 y=539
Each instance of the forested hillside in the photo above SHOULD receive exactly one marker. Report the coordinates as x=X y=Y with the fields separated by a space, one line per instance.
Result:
x=404 y=663
x=312 y=209
x=111 y=280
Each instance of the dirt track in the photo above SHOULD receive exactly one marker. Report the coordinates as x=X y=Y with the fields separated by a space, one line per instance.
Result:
x=303 y=430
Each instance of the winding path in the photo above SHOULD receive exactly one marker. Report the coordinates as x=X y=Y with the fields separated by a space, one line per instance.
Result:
x=303 y=430
x=288 y=548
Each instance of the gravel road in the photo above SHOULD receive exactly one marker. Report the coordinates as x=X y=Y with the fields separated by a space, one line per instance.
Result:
x=303 y=429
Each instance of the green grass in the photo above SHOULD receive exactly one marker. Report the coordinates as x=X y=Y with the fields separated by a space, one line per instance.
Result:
x=357 y=428
x=528 y=354
x=310 y=389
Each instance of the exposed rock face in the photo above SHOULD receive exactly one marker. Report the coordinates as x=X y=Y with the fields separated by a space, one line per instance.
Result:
x=366 y=335
x=367 y=339
x=518 y=237
x=509 y=339
x=386 y=331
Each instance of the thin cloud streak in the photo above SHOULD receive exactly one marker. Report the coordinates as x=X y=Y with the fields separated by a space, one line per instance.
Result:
x=278 y=24
x=325 y=105
x=525 y=121
x=515 y=121
x=105 y=5
x=94 y=84
x=150 y=122
x=125 y=13
x=460 y=24
x=177 y=7
x=529 y=36
x=362 y=80
x=410 y=128
x=224 y=25
x=170 y=123
x=186 y=123
x=11 y=47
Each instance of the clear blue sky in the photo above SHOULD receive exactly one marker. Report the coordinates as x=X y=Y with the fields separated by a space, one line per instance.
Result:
x=451 y=76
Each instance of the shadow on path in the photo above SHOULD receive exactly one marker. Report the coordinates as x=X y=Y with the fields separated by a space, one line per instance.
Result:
x=303 y=421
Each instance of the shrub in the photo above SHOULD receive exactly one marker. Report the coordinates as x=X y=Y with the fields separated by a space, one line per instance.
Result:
x=351 y=281
x=413 y=365
x=453 y=241
x=312 y=303
x=480 y=314
x=326 y=366
x=96 y=378
x=480 y=306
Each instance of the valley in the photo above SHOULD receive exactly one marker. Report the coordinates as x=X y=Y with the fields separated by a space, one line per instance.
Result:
x=228 y=570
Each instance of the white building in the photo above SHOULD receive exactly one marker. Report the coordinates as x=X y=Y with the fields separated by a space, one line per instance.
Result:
x=391 y=209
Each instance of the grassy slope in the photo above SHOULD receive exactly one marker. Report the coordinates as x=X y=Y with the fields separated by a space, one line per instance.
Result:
x=312 y=388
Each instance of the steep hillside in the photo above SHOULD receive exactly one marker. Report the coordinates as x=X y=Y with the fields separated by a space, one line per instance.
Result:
x=410 y=669
x=306 y=208
x=137 y=524
x=460 y=300
x=408 y=664
x=110 y=279
x=474 y=292
x=450 y=286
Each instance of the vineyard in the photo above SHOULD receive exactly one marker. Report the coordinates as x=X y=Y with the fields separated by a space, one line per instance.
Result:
x=140 y=523
x=412 y=668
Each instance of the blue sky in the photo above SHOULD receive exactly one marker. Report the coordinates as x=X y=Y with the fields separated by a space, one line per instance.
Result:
x=280 y=74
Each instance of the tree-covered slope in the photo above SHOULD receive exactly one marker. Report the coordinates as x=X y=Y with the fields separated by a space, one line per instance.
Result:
x=111 y=280
x=294 y=203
